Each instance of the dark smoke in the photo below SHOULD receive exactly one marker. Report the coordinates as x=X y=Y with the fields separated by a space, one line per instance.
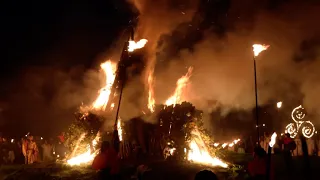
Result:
x=217 y=43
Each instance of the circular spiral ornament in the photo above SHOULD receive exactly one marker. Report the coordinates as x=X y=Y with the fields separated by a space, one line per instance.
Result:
x=292 y=130
x=308 y=129
x=298 y=114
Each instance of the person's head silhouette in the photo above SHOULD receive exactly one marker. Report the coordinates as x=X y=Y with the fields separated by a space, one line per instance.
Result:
x=205 y=175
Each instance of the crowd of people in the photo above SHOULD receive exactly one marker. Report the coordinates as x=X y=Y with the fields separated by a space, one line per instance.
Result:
x=29 y=150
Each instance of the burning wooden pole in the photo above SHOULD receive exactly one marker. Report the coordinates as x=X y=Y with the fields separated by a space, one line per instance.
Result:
x=271 y=144
x=120 y=78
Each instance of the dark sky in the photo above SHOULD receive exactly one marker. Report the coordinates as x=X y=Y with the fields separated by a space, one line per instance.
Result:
x=38 y=35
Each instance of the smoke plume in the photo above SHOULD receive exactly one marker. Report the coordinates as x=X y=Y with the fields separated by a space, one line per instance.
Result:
x=223 y=65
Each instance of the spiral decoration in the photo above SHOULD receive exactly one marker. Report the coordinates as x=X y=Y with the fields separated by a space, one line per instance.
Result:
x=298 y=114
x=292 y=130
x=307 y=128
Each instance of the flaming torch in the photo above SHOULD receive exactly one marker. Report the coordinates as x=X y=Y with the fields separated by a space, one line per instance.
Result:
x=257 y=49
x=271 y=144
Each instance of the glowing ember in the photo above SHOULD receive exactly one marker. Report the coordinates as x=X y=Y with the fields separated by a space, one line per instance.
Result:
x=136 y=45
x=216 y=144
x=109 y=69
x=119 y=129
x=151 y=100
x=181 y=84
x=273 y=139
x=258 y=48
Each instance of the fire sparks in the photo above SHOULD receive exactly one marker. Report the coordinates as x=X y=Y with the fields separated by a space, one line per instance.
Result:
x=136 y=45
x=86 y=157
x=273 y=139
x=181 y=84
x=151 y=100
x=109 y=69
x=198 y=152
x=119 y=129
x=258 y=48
x=202 y=156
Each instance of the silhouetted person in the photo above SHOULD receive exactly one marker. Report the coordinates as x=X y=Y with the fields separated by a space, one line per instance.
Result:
x=106 y=162
x=205 y=175
x=257 y=168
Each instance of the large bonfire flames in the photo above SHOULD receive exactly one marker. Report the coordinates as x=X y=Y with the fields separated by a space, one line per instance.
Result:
x=198 y=152
x=181 y=84
x=109 y=68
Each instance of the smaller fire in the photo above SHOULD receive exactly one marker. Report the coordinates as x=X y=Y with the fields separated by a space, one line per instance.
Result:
x=151 y=100
x=273 y=139
x=86 y=157
x=136 y=45
x=119 y=129
x=224 y=145
x=203 y=157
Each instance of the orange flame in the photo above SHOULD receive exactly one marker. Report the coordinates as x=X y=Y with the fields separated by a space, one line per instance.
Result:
x=136 y=45
x=109 y=69
x=258 y=48
x=181 y=84
x=151 y=100
x=198 y=152
x=119 y=128
x=86 y=157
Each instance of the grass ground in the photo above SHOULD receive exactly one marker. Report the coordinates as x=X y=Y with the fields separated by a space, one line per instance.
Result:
x=160 y=170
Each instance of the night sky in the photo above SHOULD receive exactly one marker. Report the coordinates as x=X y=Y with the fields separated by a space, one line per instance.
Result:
x=44 y=34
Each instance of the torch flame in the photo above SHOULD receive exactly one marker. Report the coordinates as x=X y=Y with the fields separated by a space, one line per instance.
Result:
x=181 y=84
x=136 y=45
x=109 y=69
x=273 y=139
x=258 y=48
x=151 y=100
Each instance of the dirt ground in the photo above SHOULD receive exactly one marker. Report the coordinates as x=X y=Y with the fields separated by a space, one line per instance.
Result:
x=161 y=170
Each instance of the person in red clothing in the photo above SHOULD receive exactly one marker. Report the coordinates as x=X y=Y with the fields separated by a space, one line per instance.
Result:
x=107 y=162
x=257 y=168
